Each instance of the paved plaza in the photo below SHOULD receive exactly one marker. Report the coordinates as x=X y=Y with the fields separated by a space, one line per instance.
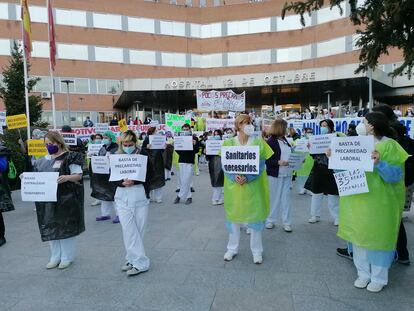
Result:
x=186 y=244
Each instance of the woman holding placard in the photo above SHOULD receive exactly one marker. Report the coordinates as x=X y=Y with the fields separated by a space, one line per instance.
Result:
x=102 y=189
x=279 y=175
x=59 y=222
x=216 y=172
x=131 y=201
x=370 y=221
x=246 y=197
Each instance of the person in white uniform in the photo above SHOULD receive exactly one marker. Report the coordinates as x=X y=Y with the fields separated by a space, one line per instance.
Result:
x=131 y=202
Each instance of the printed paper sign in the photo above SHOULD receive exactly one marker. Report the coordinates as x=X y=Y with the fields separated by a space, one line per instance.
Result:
x=100 y=164
x=213 y=146
x=240 y=160
x=214 y=124
x=221 y=101
x=36 y=147
x=348 y=153
x=182 y=143
x=128 y=166
x=2 y=118
x=70 y=139
x=94 y=148
x=351 y=182
x=123 y=127
x=296 y=160
x=39 y=187
x=101 y=127
x=157 y=141
x=174 y=121
x=278 y=108
x=232 y=114
x=301 y=145
x=320 y=143
x=16 y=122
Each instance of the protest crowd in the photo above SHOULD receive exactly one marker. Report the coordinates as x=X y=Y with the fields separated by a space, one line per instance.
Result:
x=255 y=164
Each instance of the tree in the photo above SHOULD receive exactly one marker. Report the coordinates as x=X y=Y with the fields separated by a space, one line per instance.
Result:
x=12 y=90
x=384 y=24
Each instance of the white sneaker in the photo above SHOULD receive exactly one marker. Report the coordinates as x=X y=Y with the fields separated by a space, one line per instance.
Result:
x=214 y=202
x=52 y=265
x=134 y=271
x=64 y=265
x=314 y=219
x=269 y=225
x=228 y=256
x=361 y=283
x=302 y=191
x=220 y=202
x=248 y=231
x=287 y=228
x=375 y=287
x=257 y=259
x=336 y=223
x=126 y=267
x=96 y=203
x=158 y=201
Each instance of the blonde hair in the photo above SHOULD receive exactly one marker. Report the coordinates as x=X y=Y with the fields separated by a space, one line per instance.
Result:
x=127 y=136
x=240 y=120
x=56 y=138
x=278 y=128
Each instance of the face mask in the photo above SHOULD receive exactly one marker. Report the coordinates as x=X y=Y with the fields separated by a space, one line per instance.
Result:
x=98 y=141
x=128 y=149
x=52 y=149
x=186 y=133
x=324 y=130
x=248 y=129
x=361 y=129
x=106 y=142
x=217 y=137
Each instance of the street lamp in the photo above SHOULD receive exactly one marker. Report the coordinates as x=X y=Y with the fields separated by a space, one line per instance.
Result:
x=67 y=82
x=329 y=92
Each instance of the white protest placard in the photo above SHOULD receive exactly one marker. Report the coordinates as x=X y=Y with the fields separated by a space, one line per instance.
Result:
x=213 y=146
x=94 y=148
x=1 y=130
x=130 y=166
x=70 y=139
x=348 y=153
x=232 y=114
x=278 y=108
x=320 y=143
x=157 y=141
x=100 y=164
x=2 y=118
x=296 y=160
x=216 y=124
x=182 y=143
x=351 y=182
x=39 y=187
x=221 y=101
x=101 y=127
x=296 y=123
x=240 y=160
x=301 y=145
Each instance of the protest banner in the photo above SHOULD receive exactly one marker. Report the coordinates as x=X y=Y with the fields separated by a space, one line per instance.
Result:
x=123 y=127
x=36 y=147
x=240 y=159
x=351 y=182
x=39 y=187
x=128 y=166
x=296 y=160
x=94 y=148
x=70 y=139
x=16 y=122
x=218 y=124
x=182 y=143
x=301 y=145
x=348 y=153
x=174 y=122
x=320 y=143
x=157 y=141
x=2 y=118
x=100 y=164
x=221 y=101
x=101 y=127
x=213 y=146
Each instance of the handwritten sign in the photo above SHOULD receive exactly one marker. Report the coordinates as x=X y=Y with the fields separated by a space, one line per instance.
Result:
x=221 y=100
x=157 y=141
x=100 y=164
x=39 y=187
x=174 y=122
x=182 y=143
x=320 y=143
x=348 y=153
x=351 y=182
x=123 y=127
x=16 y=122
x=240 y=160
x=36 y=147
x=101 y=127
x=70 y=139
x=213 y=146
x=130 y=166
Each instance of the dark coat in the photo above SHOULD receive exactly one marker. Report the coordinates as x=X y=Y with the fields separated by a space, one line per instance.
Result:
x=155 y=157
x=215 y=170
x=6 y=203
x=272 y=166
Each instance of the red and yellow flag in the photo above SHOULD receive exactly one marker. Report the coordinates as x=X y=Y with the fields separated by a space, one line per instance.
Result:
x=27 y=30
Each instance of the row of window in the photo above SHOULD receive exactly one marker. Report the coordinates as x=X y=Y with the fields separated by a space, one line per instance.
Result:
x=171 y=59
x=172 y=28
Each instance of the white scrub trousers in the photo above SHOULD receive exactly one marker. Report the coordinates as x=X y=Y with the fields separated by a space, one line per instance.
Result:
x=366 y=271
x=132 y=206
x=333 y=205
x=218 y=194
x=62 y=250
x=279 y=189
x=186 y=180
x=256 y=245
x=156 y=194
x=106 y=208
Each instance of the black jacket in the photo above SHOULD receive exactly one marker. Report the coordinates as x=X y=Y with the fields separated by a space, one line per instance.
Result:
x=188 y=156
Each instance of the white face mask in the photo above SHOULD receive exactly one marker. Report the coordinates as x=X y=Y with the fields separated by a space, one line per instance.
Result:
x=248 y=129
x=361 y=129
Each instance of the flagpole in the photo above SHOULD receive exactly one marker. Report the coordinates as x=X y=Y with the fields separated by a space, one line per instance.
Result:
x=26 y=84
x=51 y=71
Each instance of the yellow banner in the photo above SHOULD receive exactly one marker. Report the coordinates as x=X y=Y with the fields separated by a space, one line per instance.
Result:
x=16 y=122
x=36 y=147
x=123 y=127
